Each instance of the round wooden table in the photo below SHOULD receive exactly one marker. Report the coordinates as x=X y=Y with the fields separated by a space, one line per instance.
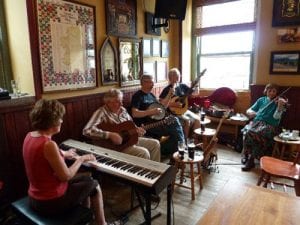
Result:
x=181 y=164
x=206 y=135
x=205 y=121
x=282 y=144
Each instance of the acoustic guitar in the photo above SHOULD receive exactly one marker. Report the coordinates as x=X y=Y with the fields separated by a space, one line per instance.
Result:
x=184 y=98
x=127 y=130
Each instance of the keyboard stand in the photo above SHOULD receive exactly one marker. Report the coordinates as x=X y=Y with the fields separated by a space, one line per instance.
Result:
x=146 y=207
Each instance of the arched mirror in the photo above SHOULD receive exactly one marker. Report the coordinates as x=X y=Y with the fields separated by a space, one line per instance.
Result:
x=130 y=61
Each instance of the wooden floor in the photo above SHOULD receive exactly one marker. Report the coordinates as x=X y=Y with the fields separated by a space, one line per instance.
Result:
x=185 y=211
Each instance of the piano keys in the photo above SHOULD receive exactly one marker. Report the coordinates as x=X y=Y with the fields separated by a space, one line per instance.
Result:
x=151 y=175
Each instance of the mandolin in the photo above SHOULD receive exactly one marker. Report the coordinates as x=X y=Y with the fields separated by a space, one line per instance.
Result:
x=184 y=98
x=127 y=130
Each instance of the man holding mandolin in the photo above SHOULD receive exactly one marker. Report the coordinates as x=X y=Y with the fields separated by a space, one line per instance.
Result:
x=178 y=103
x=112 y=127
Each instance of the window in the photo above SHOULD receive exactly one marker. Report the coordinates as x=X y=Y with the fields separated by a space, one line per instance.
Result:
x=5 y=66
x=225 y=43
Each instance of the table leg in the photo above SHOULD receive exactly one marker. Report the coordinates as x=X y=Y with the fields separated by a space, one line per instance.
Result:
x=282 y=151
x=276 y=146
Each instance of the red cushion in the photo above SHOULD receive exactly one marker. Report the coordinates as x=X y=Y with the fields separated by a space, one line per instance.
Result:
x=224 y=96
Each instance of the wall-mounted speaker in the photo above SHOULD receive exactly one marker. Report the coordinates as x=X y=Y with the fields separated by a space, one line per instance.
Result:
x=170 y=9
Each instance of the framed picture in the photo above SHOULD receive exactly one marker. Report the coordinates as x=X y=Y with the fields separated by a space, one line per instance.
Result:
x=66 y=45
x=130 y=61
x=164 y=48
x=149 y=68
x=155 y=47
x=284 y=62
x=121 y=18
x=109 y=63
x=161 y=71
x=288 y=35
x=147 y=47
x=286 y=13
x=149 y=18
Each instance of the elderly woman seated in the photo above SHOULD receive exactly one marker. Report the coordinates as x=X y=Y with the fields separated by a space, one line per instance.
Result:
x=258 y=135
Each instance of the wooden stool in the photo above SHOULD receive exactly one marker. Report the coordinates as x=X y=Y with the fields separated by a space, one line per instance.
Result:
x=181 y=164
x=76 y=216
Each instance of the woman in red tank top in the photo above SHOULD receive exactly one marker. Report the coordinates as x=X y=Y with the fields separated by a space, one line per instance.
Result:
x=53 y=186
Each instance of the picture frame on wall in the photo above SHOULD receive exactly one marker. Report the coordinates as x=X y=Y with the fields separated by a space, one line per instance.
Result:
x=284 y=62
x=130 y=61
x=109 y=63
x=286 y=13
x=155 y=47
x=121 y=18
x=161 y=71
x=147 y=52
x=164 y=49
x=67 y=45
x=288 y=35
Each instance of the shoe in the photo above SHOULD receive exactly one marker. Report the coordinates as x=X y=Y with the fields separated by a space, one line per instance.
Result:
x=244 y=160
x=116 y=222
x=249 y=165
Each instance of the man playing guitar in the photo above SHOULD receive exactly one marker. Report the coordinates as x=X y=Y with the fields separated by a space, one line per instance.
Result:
x=178 y=104
x=105 y=128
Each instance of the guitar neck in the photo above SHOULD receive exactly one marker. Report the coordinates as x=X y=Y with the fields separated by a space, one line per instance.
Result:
x=156 y=124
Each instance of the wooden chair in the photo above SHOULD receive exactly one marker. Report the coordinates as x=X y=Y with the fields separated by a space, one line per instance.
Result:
x=273 y=167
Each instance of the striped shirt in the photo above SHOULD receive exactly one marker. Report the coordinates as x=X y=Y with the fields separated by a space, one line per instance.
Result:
x=104 y=115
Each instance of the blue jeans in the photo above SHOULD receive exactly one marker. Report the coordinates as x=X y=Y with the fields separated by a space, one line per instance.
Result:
x=175 y=133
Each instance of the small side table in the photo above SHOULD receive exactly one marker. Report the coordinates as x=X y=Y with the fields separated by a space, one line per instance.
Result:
x=281 y=145
x=182 y=164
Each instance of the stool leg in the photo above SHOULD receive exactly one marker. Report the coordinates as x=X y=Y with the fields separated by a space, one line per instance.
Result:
x=182 y=166
x=200 y=175
x=267 y=180
x=261 y=178
x=192 y=180
x=297 y=187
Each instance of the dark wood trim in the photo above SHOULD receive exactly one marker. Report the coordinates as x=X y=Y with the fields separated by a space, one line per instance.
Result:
x=180 y=47
x=34 y=40
x=6 y=73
